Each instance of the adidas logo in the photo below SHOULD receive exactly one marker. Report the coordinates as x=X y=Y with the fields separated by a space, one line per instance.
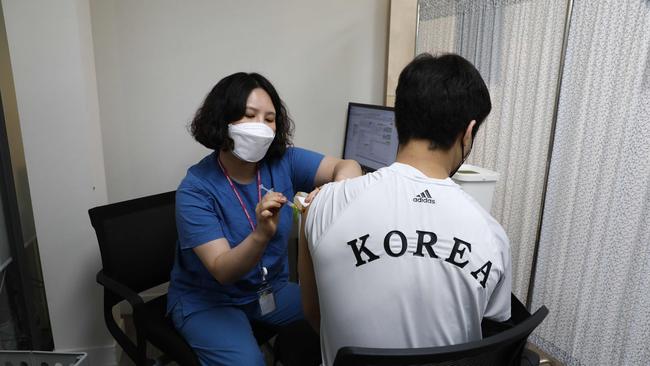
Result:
x=424 y=197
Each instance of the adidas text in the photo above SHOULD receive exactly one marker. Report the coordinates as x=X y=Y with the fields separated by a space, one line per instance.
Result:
x=425 y=200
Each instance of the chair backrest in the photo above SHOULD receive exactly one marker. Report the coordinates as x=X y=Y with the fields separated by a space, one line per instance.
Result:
x=137 y=239
x=504 y=348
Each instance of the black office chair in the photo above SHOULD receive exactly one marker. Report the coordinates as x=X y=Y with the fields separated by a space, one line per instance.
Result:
x=137 y=241
x=499 y=348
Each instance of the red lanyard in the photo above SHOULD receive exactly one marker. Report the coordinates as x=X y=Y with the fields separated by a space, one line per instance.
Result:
x=234 y=189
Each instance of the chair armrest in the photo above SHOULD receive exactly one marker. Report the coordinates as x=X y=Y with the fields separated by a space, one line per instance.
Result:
x=119 y=289
x=114 y=292
x=491 y=327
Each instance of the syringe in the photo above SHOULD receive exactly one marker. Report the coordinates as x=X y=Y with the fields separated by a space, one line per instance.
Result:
x=291 y=204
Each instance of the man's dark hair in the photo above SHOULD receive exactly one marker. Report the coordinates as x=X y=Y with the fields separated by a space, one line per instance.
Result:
x=437 y=97
x=226 y=103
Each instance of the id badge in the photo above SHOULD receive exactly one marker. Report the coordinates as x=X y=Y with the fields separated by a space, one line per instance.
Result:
x=266 y=300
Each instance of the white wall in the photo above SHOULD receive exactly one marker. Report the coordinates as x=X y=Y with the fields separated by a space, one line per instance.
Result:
x=156 y=61
x=50 y=45
x=144 y=67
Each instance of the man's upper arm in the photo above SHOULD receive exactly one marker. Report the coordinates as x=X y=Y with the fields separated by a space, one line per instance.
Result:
x=307 y=278
x=320 y=215
x=499 y=304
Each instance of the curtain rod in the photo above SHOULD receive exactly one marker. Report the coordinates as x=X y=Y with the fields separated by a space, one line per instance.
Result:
x=549 y=155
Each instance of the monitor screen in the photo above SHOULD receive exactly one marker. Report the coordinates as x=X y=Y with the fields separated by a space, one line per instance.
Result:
x=370 y=136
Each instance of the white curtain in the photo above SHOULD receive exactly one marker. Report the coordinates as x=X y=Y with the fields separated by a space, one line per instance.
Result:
x=593 y=270
x=516 y=45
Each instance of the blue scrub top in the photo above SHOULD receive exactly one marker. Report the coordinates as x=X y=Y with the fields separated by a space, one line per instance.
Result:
x=208 y=209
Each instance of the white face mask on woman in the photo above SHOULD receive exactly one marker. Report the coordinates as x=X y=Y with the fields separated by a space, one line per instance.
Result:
x=252 y=140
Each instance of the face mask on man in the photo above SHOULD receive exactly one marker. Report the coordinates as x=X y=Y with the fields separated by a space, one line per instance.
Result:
x=464 y=157
x=252 y=140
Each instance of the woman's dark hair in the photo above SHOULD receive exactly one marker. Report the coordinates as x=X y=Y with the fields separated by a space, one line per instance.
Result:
x=226 y=103
x=437 y=97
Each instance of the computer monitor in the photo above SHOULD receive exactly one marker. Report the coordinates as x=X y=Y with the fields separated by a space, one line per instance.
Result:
x=370 y=136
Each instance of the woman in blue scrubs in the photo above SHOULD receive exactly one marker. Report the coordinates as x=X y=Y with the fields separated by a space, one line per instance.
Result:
x=233 y=221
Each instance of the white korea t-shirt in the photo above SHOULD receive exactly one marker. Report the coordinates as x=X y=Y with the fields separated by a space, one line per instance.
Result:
x=403 y=260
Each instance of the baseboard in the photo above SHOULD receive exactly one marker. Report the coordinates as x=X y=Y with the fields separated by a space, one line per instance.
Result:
x=97 y=356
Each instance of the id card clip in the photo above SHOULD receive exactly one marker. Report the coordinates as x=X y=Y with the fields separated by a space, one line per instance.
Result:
x=265 y=295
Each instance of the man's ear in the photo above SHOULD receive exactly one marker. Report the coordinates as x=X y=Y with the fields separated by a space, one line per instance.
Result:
x=467 y=137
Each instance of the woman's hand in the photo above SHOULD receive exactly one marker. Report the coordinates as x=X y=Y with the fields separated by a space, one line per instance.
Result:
x=267 y=213
x=312 y=195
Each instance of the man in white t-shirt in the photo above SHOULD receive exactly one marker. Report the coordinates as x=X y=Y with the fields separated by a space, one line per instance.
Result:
x=402 y=257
